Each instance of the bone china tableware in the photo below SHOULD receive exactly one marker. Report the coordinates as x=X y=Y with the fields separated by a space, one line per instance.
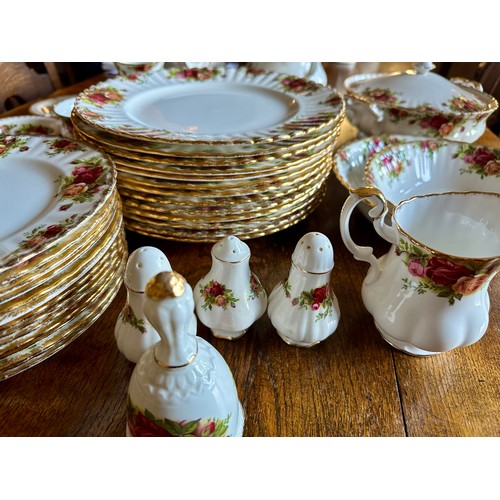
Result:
x=230 y=297
x=203 y=153
x=429 y=293
x=401 y=171
x=62 y=245
x=133 y=332
x=181 y=386
x=303 y=307
x=418 y=102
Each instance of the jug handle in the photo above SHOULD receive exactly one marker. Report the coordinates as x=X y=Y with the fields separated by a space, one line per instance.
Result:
x=377 y=213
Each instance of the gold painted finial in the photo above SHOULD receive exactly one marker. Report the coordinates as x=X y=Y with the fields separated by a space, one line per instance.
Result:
x=165 y=284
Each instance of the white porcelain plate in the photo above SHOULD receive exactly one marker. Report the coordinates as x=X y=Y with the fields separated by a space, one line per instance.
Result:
x=209 y=105
x=48 y=187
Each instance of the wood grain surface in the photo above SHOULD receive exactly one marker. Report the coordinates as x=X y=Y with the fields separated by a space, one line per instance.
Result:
x=352 y=384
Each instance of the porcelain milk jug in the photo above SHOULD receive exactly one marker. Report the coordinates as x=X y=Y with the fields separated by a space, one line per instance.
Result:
x=181 y=386
x=303 y=308
x=133 y=333
x=429 y=293
x=230 y=298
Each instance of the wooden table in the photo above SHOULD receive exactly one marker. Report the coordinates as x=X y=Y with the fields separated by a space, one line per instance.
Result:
x=353 y=384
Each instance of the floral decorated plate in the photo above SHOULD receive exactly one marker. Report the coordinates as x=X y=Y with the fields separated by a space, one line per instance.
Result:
x=48 y=187
x=45 y=107
x=401 y=171
x=210 y=106
x=30 y=125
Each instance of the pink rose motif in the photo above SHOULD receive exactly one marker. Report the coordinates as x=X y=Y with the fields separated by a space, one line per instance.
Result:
x=37 y=240
x=415 y=268
x=382 y=96
x=86 y=174
x=444 y=272
x=205 y=428
x=492 y=167
x=445 y=129
x=220 y=301
x=143 y=427
x=467 y=285
x=295 y=85
x=74 y=190
x=482 y=156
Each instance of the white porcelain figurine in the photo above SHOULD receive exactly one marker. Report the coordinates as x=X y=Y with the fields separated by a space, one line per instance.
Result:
x=181 y=386
x=303 y=308
x=230 y=297
x=133 y=333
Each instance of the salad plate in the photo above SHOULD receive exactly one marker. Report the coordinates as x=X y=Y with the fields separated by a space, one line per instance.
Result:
x=210 y=106
x=49 y=186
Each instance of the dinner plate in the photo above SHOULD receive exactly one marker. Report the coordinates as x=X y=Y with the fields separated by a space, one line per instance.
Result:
x=31 y=125
x=48 y=187
x=209 y=106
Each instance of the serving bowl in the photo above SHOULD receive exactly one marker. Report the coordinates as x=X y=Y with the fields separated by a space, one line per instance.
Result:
x=402 y=171
x=418 y=102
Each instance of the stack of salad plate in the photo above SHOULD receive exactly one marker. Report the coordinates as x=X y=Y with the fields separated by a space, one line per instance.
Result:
x=62 y=245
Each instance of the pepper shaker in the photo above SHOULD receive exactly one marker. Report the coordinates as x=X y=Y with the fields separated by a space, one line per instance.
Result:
x=181 y=386
x=133 y=332
x=303 y=308
x=230 y=297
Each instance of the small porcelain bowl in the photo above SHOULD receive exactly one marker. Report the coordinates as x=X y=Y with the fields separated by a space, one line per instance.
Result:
x=402 y=171
x=418 y=102
x=349 y=161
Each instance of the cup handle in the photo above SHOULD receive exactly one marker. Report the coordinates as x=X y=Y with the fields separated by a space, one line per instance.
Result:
x=377 y=213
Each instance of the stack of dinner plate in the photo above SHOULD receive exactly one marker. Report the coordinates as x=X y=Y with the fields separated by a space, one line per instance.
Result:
x=206 y=152
x=62 y=245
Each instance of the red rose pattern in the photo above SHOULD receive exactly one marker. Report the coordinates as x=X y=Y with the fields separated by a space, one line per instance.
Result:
x=444 y=277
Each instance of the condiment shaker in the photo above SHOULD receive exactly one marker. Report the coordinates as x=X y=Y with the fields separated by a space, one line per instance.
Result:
x=133 y=333
x=181 y=386
x=230 y=297
x=303 y=308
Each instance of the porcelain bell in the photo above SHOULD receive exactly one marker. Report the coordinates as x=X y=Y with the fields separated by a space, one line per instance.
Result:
x=230 y=298
x=181 y=386
x=133 y=333
x=303 y=308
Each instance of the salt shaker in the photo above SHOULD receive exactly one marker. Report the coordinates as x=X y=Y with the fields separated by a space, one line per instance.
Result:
x=133 y=333
x=303 y=308
x=230 y=297
x=181 y=386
